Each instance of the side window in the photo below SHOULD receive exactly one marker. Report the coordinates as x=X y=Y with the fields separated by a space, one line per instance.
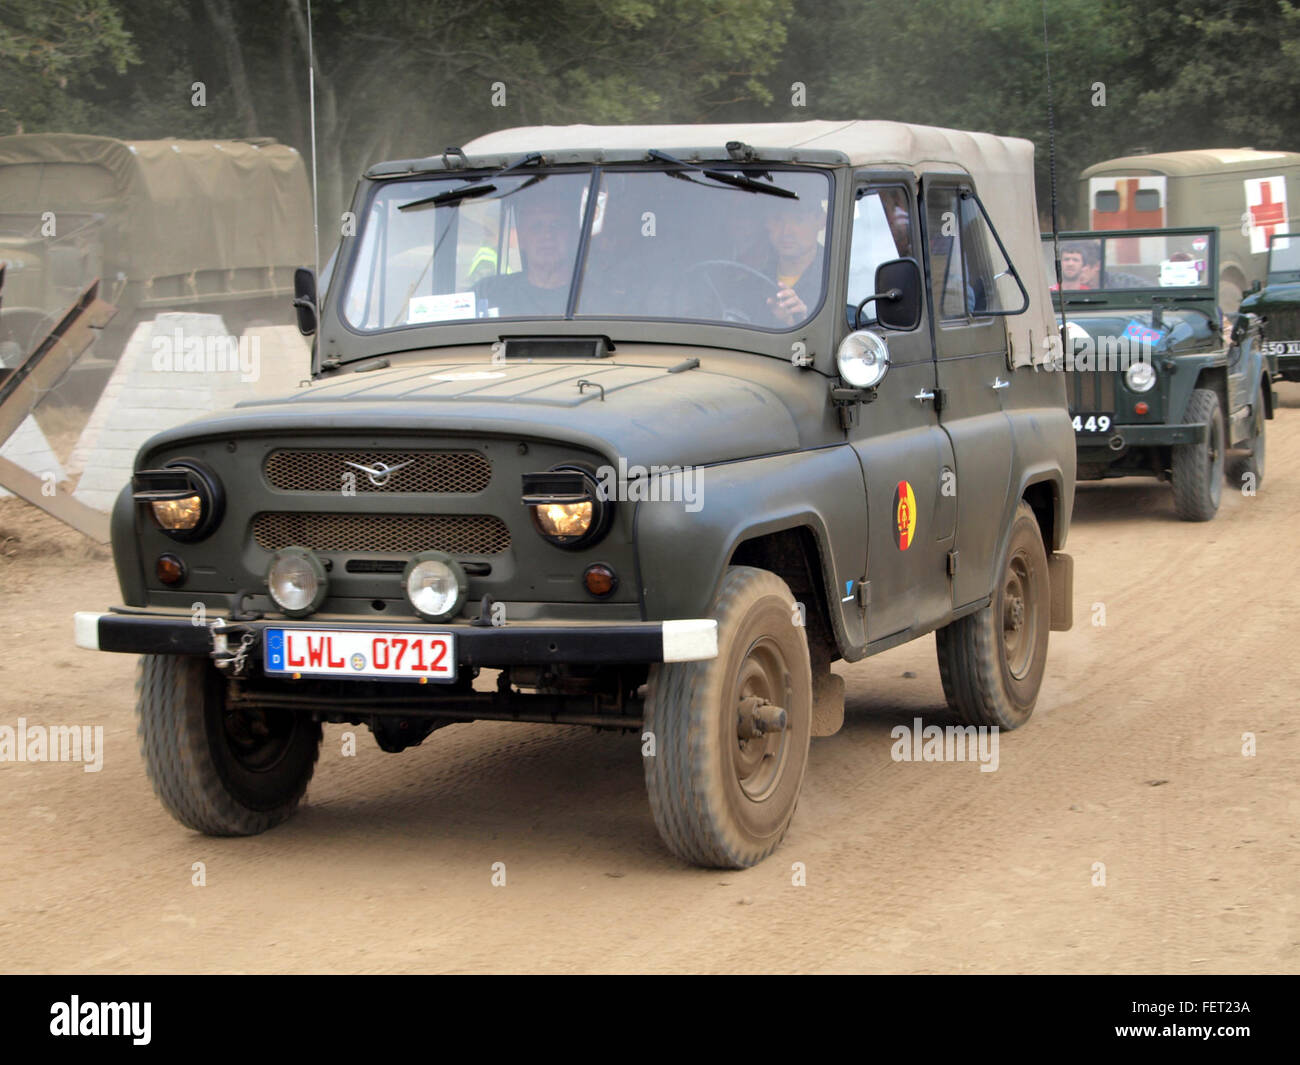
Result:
x=945 y=233
x=883 y=229
x=970 y=275
x=978 y=255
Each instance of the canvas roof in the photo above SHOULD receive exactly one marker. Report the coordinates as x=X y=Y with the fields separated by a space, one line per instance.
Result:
x=171 y=206
x=1002 y=169
x=1198 y=161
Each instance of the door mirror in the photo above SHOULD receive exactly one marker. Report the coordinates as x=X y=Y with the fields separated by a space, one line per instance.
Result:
x=304 y=300
x=897 y=296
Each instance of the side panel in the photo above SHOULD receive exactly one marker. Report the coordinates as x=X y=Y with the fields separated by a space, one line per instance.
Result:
x=681 y=555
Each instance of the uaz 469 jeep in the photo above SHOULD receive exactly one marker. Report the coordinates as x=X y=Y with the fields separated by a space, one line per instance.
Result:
x=1156 y=387
x=659 y=422
x=1277 y=306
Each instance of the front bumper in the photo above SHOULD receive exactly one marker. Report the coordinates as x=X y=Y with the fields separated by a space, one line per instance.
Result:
x=512 y=644
x=1123 y=436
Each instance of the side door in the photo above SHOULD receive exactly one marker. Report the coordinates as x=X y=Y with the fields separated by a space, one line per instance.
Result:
x=973 y=374
x=898 y=439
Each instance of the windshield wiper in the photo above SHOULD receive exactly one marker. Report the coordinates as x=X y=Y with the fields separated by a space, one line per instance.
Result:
x=737 y=181
x=464 y=192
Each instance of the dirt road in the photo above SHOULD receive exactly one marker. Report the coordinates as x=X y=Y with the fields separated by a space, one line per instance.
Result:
x=1134 y=759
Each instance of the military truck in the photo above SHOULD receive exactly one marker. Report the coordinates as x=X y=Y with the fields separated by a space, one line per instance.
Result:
x=217 y=226
x=1242 y=191
x=1161 y=383
x=731 y=404
x=1277 y=307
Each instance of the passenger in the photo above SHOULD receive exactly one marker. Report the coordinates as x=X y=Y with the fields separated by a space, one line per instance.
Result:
x=547 y=223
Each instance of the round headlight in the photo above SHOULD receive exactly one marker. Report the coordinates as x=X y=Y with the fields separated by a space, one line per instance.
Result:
x=179 y=515
x=564 y=520
x=296 y=581
x=863 y=359
x=193 y=516
x=578 y=520
x=1140 y=377
x=435 y=584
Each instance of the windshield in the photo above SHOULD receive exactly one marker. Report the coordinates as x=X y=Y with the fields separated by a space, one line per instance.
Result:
x=1176 y=260
x=1284 y=254
x=676 y=245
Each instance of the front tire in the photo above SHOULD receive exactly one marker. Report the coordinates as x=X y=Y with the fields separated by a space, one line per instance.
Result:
x=992 y=662
x=1198 y=468
x=219 y=771
x=721 y=799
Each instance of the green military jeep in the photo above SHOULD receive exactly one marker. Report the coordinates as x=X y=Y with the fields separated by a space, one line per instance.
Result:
x=1277 y=306
x=659 y=423
x=1160 y=385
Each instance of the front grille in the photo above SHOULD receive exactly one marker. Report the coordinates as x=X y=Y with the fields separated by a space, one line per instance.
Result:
x=1093 y=390
x=1282 y=325
x=327 y=470
x=457 y=534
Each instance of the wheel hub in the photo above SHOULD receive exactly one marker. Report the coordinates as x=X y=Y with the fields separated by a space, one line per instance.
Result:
x=762 y=689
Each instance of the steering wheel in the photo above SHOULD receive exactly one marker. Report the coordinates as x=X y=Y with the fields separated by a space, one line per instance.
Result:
x=730 y=314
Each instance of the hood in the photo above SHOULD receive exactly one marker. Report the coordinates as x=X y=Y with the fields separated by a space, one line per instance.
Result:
x=640 y=412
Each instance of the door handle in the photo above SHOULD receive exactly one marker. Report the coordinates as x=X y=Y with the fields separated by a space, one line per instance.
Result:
x=923 y=395
x=999 y=384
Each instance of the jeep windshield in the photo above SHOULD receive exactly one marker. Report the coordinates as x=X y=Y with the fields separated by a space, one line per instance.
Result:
x=1127 y=261
x=1284 y=258
x=672 y=244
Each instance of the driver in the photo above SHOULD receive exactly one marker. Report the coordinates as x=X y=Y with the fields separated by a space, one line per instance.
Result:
x=547 y=222
x=793 y=229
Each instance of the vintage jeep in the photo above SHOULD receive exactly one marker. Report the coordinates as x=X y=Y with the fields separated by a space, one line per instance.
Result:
x=1156 y=387
x=659 y=422
x=1277 y=306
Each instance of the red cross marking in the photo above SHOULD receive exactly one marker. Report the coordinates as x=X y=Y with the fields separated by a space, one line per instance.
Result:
x=1266 y=213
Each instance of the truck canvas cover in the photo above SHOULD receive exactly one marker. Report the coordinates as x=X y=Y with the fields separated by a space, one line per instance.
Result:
x=1001 y=167
x=171 y=207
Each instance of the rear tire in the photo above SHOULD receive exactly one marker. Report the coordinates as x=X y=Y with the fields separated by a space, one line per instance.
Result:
x=1252 y=463
x=721 y=801
x=219 y=771
x=1198 y=468
x=992 y=662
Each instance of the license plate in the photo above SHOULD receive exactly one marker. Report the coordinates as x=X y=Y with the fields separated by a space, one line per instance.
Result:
x=423 y=656
x=1093 y=423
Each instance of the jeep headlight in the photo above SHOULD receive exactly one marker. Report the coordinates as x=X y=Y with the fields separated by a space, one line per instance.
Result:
x=863 y=358
x=567 y=506
x=435 y=585
x=178 y=515
x=296 y=581
x=185 y=498
x=1140 y=377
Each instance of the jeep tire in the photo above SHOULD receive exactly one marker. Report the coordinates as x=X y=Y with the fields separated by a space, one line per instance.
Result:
x=991 y=662
x=219 y=771
x=719 y=799
x=1198 y=468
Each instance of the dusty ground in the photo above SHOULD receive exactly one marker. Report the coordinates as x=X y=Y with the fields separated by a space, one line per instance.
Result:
x=1133 y=759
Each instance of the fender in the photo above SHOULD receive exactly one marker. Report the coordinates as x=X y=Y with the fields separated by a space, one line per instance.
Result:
x=681 y=556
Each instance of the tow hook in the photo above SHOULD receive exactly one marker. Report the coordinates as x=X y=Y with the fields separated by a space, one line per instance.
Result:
x=226 y=660
x=757 y=717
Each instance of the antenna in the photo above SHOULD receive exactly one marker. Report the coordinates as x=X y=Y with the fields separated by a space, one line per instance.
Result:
x=315 y=199
x=1051 y=164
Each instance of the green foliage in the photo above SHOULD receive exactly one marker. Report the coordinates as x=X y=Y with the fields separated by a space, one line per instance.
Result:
x=51 y=54
x=408 y=77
